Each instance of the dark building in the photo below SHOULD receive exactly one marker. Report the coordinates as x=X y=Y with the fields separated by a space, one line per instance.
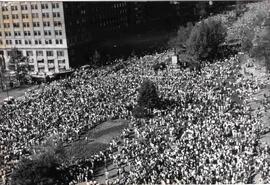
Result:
x=90 y=22
x=87 y=21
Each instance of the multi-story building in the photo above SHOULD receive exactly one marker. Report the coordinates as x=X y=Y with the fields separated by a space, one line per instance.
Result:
x=37 y=29
x=54 y=34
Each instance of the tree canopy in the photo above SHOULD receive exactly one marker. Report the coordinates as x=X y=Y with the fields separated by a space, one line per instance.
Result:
x=19 y=64
x=148 y=95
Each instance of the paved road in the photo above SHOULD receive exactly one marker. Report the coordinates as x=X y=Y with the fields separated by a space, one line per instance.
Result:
x=16 y=92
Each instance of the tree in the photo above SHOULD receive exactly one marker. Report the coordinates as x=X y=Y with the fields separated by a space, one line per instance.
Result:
x=140 y=112
x=19 y=64
x=179 y=41
x=205 y=38
x=148 y=95
x=261 y=43
x=41 y=169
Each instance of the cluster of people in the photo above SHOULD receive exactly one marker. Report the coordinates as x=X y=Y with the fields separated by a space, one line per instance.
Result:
x=209 y=137
x=64 y=109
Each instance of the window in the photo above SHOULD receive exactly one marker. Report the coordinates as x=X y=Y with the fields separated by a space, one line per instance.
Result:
x=61 y=62
x=29 y=53
x=15 y=16
x=44 y=6
x=16 y=25
x=48 y=41
x=41 y=69
x=60 y=53
x=45 y=15
x=28 y=42
x=17 y=33
x=9 y=53
x=59 y=41
x=57 y=23
x=35 y=15
x=56 y=14
x=34 y=6
x=25 y=16
x=8 y=42
x=32 y=67
x=39 y=53
x=55 y=5
x=51 y=68
x=36 y=33
x=24 y=7
x=37 y=42
x=26 y=24
x=7 y=34
x=5 y=17
x=13 y=8
x=1 y=42
x=50 y=62
x=40 y=61
x=35 y=24
x=6 y=25
x=0 y=34
x=18 y=42
x=46 y=24
x=4 y=8
x=27 y=33
x=58 y=32
x=49 y=53
x=47 y=32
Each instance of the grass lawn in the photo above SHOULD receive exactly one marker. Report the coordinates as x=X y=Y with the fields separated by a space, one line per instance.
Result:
x=97 y=139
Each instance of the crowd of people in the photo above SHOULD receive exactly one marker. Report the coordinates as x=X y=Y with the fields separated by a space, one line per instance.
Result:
x=212 y=137
x=209 y=137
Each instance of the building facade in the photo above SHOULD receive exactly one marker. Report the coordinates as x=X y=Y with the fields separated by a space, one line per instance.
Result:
x=37 y=29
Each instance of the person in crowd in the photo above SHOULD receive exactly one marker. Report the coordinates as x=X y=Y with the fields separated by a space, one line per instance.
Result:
x=211 y=136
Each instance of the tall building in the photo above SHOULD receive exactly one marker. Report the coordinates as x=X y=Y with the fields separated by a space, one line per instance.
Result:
x=37 y=29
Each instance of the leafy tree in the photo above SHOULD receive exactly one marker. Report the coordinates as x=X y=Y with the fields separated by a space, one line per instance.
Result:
x=179 y=41
x=205 y=38
x=261 y=43
x=41 y=169
x=19 y=64
x=140 y=112
x=240 y=8
x=250 y=20
x=148 y=95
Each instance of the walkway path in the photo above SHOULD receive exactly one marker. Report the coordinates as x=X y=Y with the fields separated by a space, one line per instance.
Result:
x=259 y=101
